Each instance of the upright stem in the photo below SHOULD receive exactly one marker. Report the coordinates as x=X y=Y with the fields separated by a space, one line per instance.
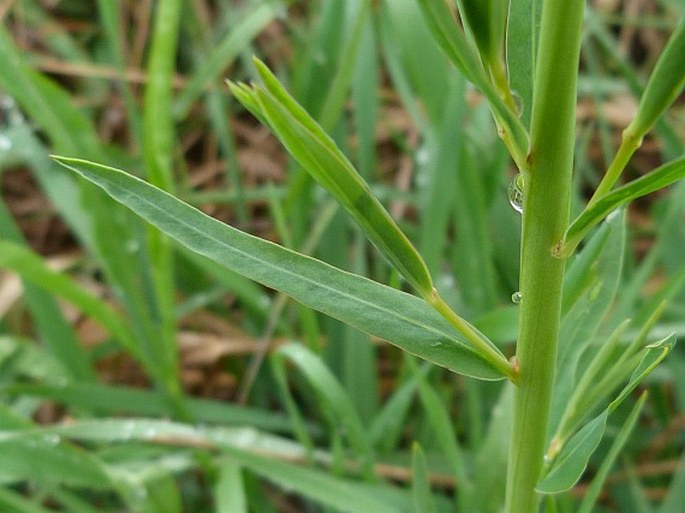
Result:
x=545 y=218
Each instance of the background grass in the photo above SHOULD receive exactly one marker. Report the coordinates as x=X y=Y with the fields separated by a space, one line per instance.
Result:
x=164 y=383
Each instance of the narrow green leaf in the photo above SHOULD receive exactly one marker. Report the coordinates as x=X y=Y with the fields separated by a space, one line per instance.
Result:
x=453 y=42
x=665 y=84
x=451 y=39
x=110 y=400
x=570 y=463
x=32 y=268
x=162 y=495
x=47 y=104
x=673 y=502
x=244 y=447
x=588 y=503
x=158 y=143
x=306 y=141
x=654 y=355
x=490 y=465
x=51 y=326
x=25 y=360
x=567 y=467
x=423 y=500
x=522 y=34
x=158 y=123
x=487 y=21
x=244 y=30
x=443 y=430
x=597 y=269
x=329 y=390
x=659 y=178
x=399 y=318
x=341 y=494
x=47 y=459
x=230 y=489
x=388 y=426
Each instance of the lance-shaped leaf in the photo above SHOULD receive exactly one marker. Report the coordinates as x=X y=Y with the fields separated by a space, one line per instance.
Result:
x=487 y=20
x=319 y=155
x=665 y=84
x=570 y=463
x=453 y=43
x=316 y=152
x=661 y=177
x=395 y=316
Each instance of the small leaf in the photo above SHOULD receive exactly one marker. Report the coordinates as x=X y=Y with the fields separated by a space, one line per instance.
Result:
x=654 y=355
x=665 y=84
x=621 y=438
x=307 y=142
x=570 y=463
x=395 y=316
x=657 y=179
x=423 y=500
x=567 y=467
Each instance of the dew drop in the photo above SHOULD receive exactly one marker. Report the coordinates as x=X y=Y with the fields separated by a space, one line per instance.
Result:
x=516 y=298
x=5 y=143
x=515 y=193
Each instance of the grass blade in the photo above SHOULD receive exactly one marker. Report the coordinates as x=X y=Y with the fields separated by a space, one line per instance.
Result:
x=343 y=495
x=47 y=459
x=32 y=268
x=109 y=400
x=230 y=489
x=158 y=152
x=423 y=501
x=250 y=24
x=53 y=329
x=329 y=390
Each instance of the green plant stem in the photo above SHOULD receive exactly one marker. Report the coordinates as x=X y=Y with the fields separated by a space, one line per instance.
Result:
x=545 y=218
x=630 y=142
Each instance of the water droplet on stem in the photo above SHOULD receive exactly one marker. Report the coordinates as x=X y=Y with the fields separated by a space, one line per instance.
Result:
x=516 y=298
x=515 y=193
